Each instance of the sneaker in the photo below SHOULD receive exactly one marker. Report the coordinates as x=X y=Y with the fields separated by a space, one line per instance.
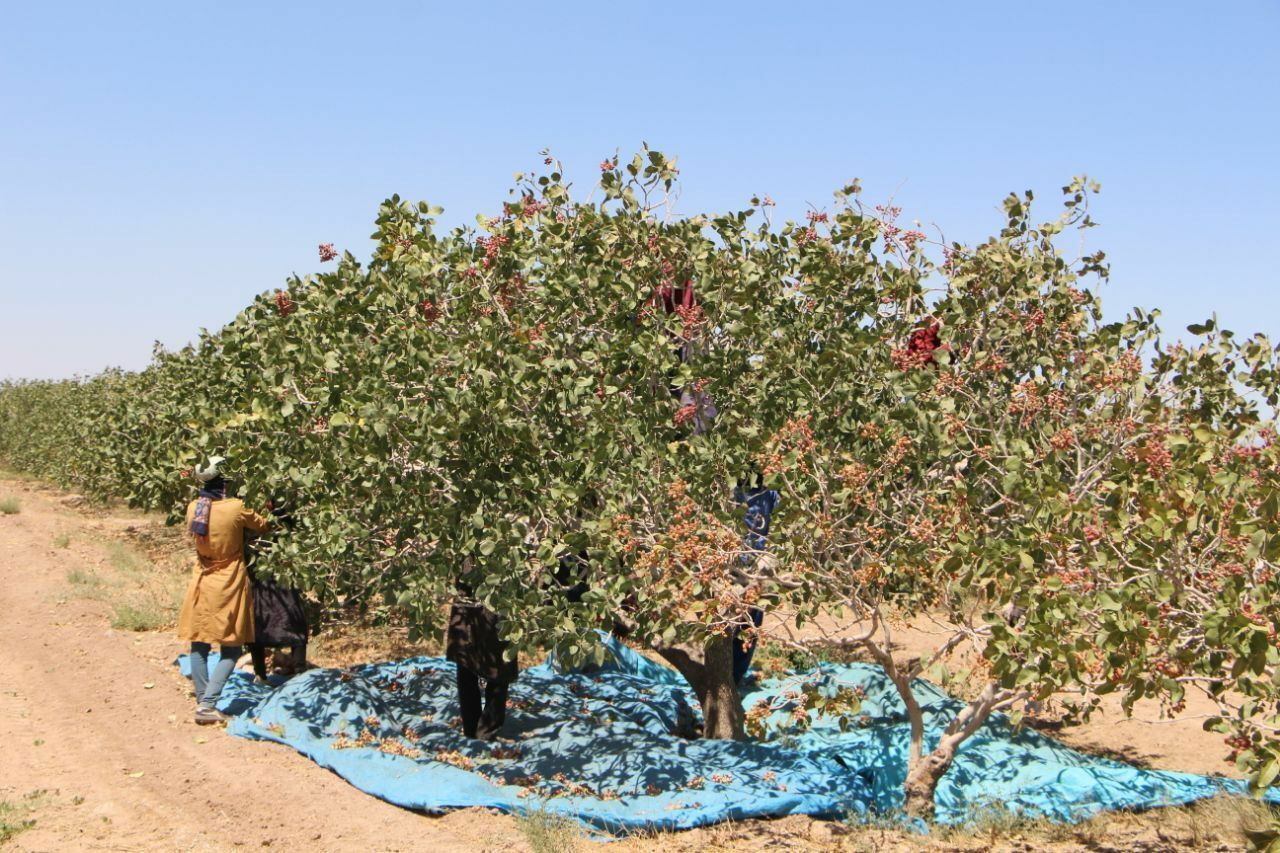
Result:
x=206 y=716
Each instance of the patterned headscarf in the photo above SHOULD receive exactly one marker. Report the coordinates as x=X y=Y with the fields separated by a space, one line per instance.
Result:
x=213 y=487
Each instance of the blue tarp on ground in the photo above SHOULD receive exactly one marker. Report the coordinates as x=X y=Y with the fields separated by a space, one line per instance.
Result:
x=599 y=748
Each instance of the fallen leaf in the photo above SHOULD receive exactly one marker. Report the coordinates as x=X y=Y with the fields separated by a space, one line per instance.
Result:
x=137 y=775
x=202 y=740
x=148 y=685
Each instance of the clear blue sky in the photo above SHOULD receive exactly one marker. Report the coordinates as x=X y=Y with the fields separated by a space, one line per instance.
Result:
x=161 y=163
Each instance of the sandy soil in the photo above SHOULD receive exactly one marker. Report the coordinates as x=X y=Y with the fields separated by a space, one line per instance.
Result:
x=96 y=735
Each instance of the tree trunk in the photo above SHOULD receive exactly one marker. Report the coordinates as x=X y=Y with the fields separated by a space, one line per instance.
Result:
x=712 y=680
x=722 y=713
x=922 y=780
x=924 y=772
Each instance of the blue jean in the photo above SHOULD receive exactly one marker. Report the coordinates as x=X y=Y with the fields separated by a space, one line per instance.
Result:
x=208 y=689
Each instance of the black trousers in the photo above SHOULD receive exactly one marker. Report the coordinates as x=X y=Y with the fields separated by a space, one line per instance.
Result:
x=482 y=722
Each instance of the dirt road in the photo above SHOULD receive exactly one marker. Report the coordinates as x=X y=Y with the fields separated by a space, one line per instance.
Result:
x=96 y=737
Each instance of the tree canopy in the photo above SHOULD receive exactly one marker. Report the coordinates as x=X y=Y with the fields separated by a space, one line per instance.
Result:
x=952 y=429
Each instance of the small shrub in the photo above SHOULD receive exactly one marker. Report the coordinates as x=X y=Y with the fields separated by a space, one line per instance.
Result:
x=10 y=505
x=1226 y=819
x=995 y=823
x=550 y=833
x=143 y=596
x=13 y=815
x=62 y=540
x=83 y=577
x=10 y=822
x=127 y=561
x=138 y=617
x=87 y=583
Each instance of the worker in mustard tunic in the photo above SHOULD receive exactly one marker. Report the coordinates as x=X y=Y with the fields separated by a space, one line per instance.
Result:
x=218 y=607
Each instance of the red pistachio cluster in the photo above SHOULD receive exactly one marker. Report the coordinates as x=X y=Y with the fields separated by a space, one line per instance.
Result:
x=284 y=305
x=1155 y=453
x=685 y=414
x=910 y=238
x=895 y=236
x=1238 y=744
x=919 y=349
x=327 y=252
x=796 y=435
x=492 y=247
x=948 y=260
x=532 y=206
x=693 y=318
x=1063 y=439
x=925 y=339
x=430 y=311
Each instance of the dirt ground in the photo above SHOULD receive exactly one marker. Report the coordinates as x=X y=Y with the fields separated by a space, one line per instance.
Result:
x=98 y=751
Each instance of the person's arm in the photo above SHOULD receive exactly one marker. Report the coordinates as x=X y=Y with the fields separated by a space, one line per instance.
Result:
x=250 y=520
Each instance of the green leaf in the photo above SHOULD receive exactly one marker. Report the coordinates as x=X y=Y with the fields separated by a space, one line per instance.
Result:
x=1267 y=775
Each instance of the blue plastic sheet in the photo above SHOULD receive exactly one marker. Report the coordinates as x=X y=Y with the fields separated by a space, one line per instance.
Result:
x=600 y=747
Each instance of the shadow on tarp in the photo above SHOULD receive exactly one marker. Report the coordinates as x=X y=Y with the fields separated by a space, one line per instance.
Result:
x=601 y=748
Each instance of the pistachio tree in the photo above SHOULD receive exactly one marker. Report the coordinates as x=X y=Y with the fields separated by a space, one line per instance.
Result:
x=583 y=390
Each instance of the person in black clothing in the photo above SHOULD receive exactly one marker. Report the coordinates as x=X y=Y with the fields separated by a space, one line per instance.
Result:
x=477 y=651
x=279 y=620
x=279 y=616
